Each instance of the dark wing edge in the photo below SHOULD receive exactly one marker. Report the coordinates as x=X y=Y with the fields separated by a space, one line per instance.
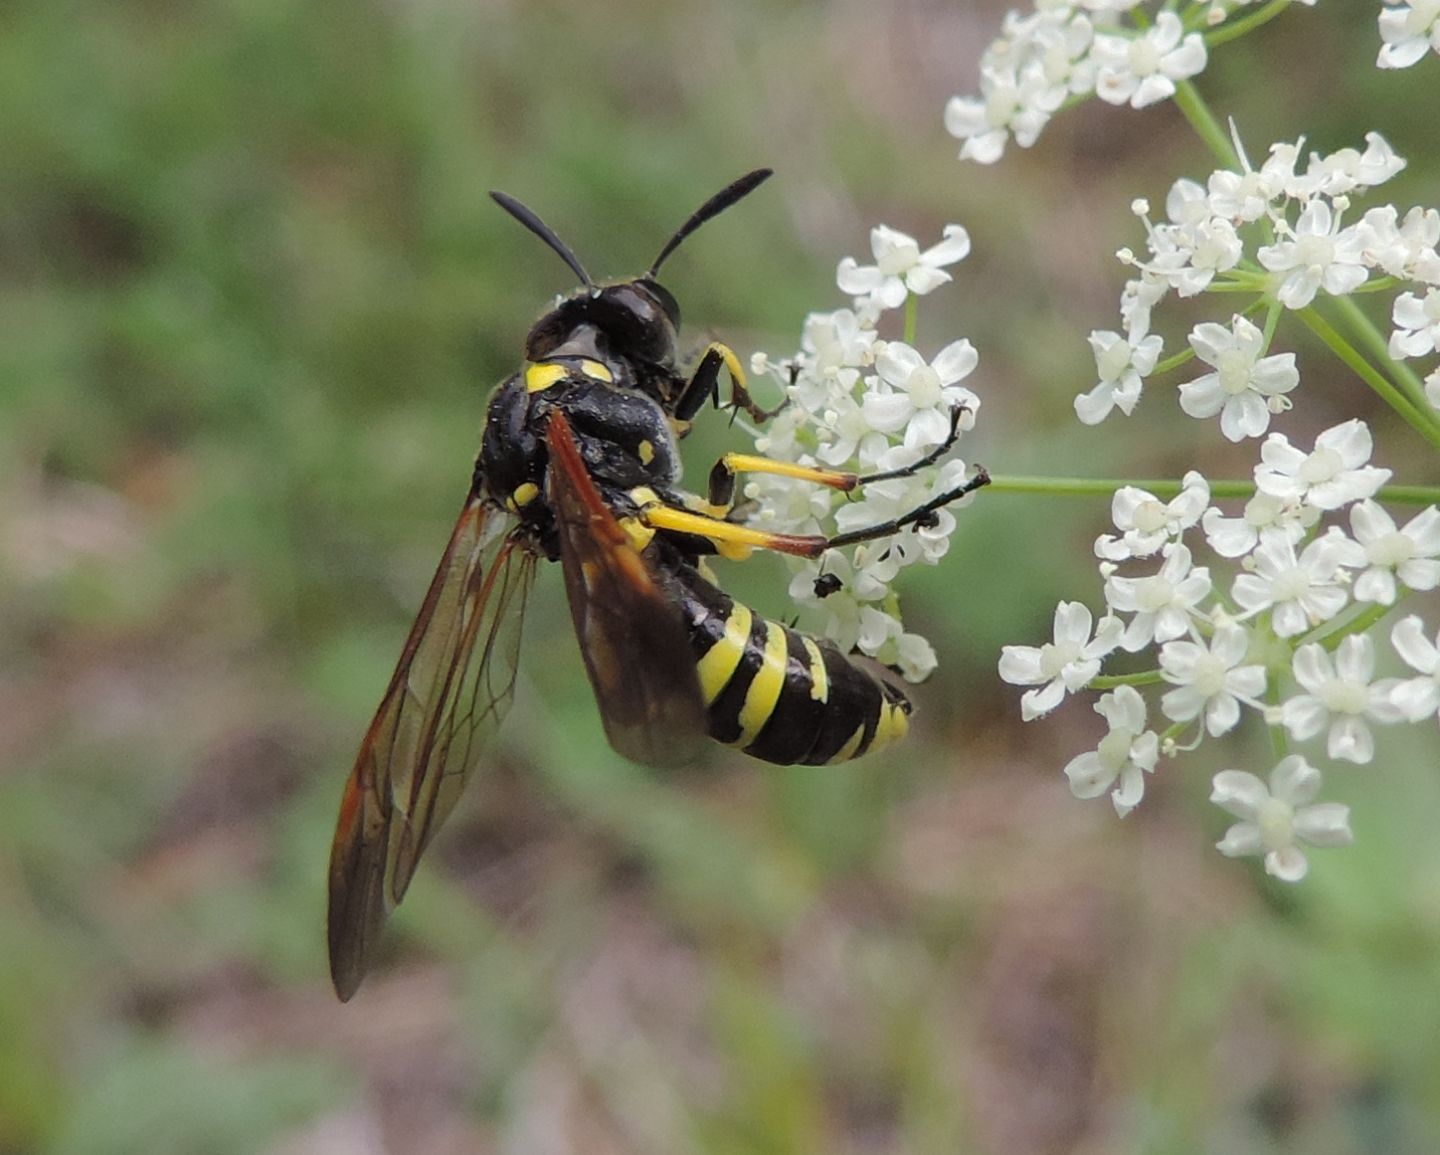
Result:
x=451 y=687
x=631 y=635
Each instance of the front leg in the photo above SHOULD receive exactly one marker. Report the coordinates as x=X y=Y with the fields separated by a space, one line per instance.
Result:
x=706 y=384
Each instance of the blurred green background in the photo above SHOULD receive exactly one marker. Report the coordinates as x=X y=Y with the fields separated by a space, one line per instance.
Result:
x=252 y=298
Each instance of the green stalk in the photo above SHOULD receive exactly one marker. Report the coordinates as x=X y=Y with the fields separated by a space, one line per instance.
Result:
x=1203 y=121
x=1174 y=362
x=1110 y=681
x=1234 y=29
x=1169 y=487
x=1422 y=422
x=1106 y=487
x=1371 y=337
x=1333 y=633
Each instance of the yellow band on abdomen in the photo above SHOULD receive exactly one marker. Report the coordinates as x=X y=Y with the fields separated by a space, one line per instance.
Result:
x=717 y=666
x=765 y=686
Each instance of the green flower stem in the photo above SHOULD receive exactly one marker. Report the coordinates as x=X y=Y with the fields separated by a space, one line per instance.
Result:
x=1410 y=494
x=1272 y=319
x=1169 y=487
x=1172 y=733
x=910 y=313
x=1110 y=681
x=1203 y=121
x=1371 y=337
x=1255 y=283
x=1106 y=487
x=1234 y=29
x=1279 y=740
x=1171 y=363
x=1422 y=422
x=1336 y=632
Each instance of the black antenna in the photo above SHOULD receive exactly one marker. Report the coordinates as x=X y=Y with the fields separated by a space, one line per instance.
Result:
x=528 y=218
x=721 y=201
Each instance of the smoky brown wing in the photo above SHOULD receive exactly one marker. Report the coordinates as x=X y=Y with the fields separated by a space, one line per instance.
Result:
x=631 y=636
x=450 y=689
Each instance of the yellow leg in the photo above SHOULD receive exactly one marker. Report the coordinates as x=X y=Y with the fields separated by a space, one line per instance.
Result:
x=730 y=360
x=730 y=540
x=722 y=477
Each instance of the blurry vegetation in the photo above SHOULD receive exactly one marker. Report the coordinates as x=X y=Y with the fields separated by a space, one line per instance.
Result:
x=252 y=298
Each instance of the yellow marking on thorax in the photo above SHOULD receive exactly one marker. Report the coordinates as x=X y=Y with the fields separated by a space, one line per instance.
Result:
x=646 y=452
x=765 y=686
x=539 y=377
x=847 y=751
x=597 y=370
x=718 y=665
x=523 y=495
x=819 y=679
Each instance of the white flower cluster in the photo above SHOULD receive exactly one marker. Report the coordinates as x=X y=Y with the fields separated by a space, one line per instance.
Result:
x=1282 y=619
x=857 y=402
x=1065 y=50
x=1408 y=28
x=1272 y=637
x=1280 y=233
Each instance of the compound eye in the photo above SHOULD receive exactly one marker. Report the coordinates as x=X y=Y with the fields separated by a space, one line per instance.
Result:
x=666 y=299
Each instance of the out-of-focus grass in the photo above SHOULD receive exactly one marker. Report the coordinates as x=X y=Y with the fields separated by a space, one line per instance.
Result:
x=251 y=299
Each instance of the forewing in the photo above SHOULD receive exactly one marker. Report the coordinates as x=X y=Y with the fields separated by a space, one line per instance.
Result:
x=451 y=687
x=631 y=636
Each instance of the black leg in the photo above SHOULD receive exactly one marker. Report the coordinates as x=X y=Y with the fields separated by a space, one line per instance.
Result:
x=705 y=384
x=918 y=516
x=956 y=415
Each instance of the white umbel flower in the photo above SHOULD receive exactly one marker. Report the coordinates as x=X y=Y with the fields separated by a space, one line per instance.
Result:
x=1264 y=516
x=1275 y=819
x=1300 y=593
x=1317 y=254
x=1404 y=249
x=1125 y=755
x=1210 y=680
x=900 y=267
x=1245 y=388
x=1146 y=523
x=918 y=396
x=1025 y=76
x=1335 y=473
x=1417 y=698
x=1122 y=364
x=1349 y=169
x=1417 y=324
x=1340 y=697
x=1063 y=665
x=1142 y=70
x=1409 y=554
x=1408 y=30
x=1163 y=603
x=1010 y=102
x=831 y=342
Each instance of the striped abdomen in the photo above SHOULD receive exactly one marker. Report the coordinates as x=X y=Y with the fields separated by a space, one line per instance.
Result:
x=775 y=692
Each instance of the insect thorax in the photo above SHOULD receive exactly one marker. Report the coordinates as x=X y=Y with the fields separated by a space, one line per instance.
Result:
x=623 y=434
